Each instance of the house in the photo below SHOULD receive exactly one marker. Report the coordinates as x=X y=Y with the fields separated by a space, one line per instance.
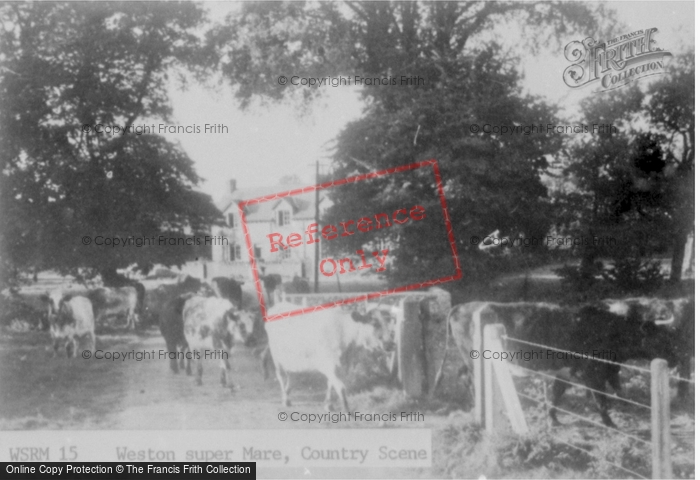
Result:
x=282 y=215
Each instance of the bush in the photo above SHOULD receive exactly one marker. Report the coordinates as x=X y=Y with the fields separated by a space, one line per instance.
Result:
x=633 y=274
x=13 y=310
x=626 y=275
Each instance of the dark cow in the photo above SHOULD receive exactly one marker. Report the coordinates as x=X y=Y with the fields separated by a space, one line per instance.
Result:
x=677 y=316
x=212 y=324
x=141 y=297
x=299 y=285
x=259 y=342
x=271 y=281
x=70 y=318
x=158 y=302
x=115 y=301
x=229 y=289
x=590 y=330
x=172 y=327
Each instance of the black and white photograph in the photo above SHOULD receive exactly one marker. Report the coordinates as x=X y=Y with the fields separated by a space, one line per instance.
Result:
x=347 y=239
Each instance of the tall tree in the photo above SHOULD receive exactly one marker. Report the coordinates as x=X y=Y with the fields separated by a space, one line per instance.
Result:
x=491 y=181
x=635 y=184
x=69 y=73
x=671 y=109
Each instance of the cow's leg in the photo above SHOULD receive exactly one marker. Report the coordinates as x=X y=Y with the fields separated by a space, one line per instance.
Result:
x=601 y=400
x=180 y=348
x=339 y=387
x=71 y=347
x=93 y=341
x=595 y=376
x=328 y=403
x=335 y=383
x=200 y=369
x=130 y=322
x=266 y=362
x=172 y=352
x=187 y=354
x=226 y=380
x=613 y=378
x=99 y=317
x=602 y=404
x=284 y=384
x=56 y=344
x=558 y=390
x=224 y=374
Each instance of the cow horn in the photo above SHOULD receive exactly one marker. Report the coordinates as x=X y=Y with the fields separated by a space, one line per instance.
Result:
x=665 y=322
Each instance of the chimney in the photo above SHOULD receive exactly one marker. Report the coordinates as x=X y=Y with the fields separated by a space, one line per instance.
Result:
x=232 y=185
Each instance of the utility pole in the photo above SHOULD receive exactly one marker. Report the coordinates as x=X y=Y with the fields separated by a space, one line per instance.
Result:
x=316 y=245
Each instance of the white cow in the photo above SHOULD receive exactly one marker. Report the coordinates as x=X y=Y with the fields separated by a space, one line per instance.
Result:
x=211 y=325
x=316 y=342
x=70 y=319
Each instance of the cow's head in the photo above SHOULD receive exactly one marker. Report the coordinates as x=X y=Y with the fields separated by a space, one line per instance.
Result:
x=52 y=301
x=637 y=336
x=58 y=313
x=240 y=324
x=660 y=342
x=384 y=325
x=257 y=333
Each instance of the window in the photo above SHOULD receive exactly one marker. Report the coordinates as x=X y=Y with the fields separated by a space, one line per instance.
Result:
x=258 y=251
x=231 y=220
x=283 y=218
x=234 y=252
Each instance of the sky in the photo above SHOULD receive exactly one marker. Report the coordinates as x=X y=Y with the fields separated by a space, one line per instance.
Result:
x=264 y=144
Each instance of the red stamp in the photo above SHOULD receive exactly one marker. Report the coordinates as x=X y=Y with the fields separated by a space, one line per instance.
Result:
x=411 y=215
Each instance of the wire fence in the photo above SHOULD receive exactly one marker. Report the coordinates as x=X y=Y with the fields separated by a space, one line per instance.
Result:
x=615 y=431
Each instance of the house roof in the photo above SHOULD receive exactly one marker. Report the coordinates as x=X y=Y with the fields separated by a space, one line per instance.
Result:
x=302 y=205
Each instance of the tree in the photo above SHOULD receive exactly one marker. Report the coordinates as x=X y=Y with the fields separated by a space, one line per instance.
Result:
x=70 y=73
x=635 y=184
x=671 y=109
x=467 y=81
x=597 y=178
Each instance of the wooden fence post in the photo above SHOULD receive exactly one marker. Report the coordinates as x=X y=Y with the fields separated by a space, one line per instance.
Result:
x=501 y=401
x=478 y=373
x=411 y=349
x=660 y=420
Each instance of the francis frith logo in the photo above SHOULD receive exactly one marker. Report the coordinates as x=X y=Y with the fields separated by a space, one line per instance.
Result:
x=615 y=63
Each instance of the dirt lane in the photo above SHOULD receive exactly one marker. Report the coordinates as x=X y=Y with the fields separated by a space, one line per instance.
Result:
x=39 y=392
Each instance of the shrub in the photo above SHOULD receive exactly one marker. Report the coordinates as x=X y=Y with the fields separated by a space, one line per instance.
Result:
x=634 y=274
x=13 y=310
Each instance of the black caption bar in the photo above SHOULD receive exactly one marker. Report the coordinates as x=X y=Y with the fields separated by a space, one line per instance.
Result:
x=123 y=470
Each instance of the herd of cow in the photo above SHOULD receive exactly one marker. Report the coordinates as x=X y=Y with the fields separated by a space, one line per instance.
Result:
x=194 y=315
